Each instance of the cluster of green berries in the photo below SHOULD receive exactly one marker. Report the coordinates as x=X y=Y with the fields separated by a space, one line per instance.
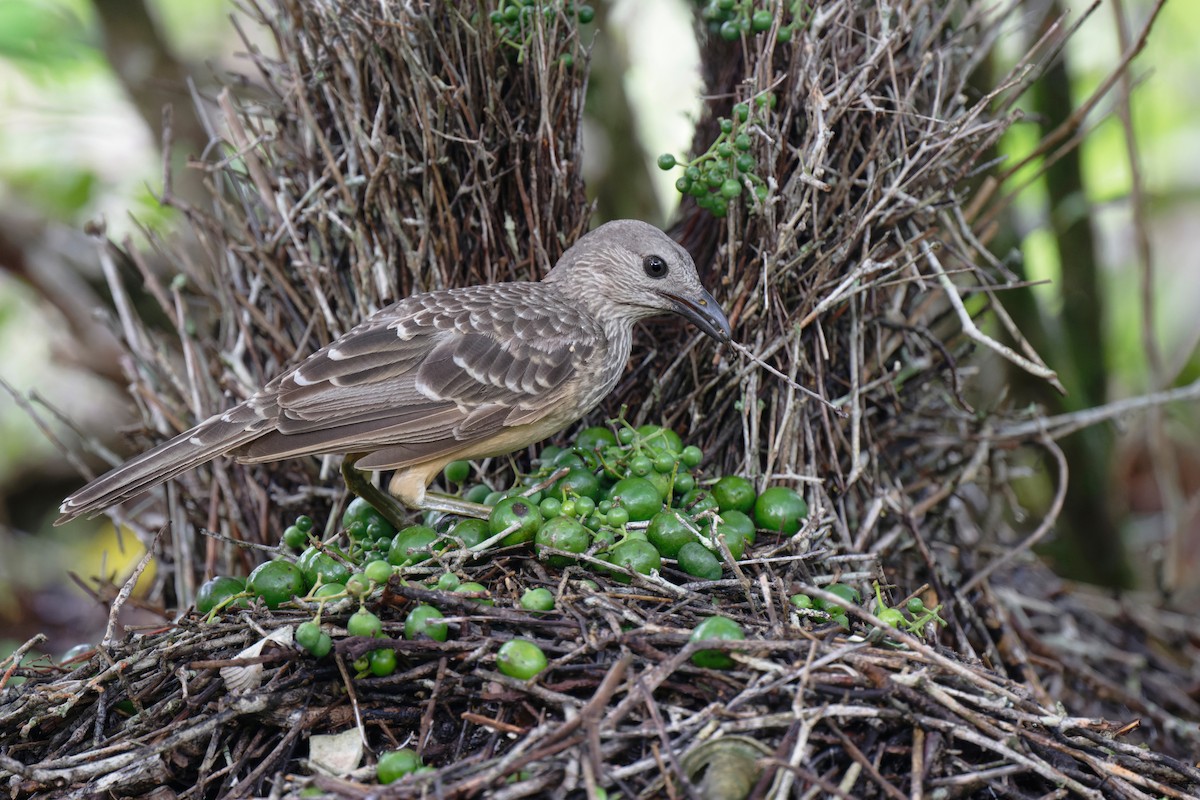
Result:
x=514 y=23
x=620 y=499
x=731 y=18
x=718 y=176
x=919 y=615
x=625 y=499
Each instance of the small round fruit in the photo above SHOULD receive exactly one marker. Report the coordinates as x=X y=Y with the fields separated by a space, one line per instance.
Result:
x=550 y=507
x=847 y=593
x=216 y=590
x=666 y=161
x=308 y=635
x=323 y=647
x=448 y=582
x=294 y=538
x=658 y=436
x=471 y=531
x=395 y=764
x=634 y=554
x=457 y=472
x=329 y=590
x=616 y=517
x=698 y=561
x=520 y=659
x=378 y=571
x=423 y=620
x=715 y=628
x=735 y=538
x=358 y=585
x=477 y=493
x=638 y=496
x=669 y=533
x=411 y=545
x=561 y=533
x=383 y=663
x=471 y=587
x=801 y=601
x=741 y=523
x=276 y=582
x=697 y=501
x=538 y=599
x=519 y=512
x=733 y=492
x=361 y=512
x=595 y=438
x=891 y=616
x=322 y=567
x=761 y=20
x=780 y=509
x=364 y=623
x=691 y=455
x=576 y=483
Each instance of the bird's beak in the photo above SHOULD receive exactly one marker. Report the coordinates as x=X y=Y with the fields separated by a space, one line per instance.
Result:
x=704 y=312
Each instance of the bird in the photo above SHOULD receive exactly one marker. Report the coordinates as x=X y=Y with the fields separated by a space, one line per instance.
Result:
x=454 y=374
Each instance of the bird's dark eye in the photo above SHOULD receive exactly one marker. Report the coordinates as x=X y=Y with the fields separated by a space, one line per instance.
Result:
x=655 y=267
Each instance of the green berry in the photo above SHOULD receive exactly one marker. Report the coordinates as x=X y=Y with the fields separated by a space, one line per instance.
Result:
x=538 y=599
x=471 y=587
x=698 y=561
x=364 y=623
x=666 y=161
x=383 y=663
x=715 y=628
x=216 y=590
x=294 y=538
x=358 y=585
x=378 y=571
x=423 y=621
x=586 y=14
x=761 y=20
x=731 y=188
x=780 y=509
x=395 y=764
x=742 y=112
x=730 y=30
x=308 y=634
x=276 y=582
x=521 y=659
x=457 y=472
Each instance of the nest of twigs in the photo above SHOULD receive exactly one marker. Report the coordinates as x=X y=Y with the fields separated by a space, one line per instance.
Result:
x=391 y=148
x=805 y=710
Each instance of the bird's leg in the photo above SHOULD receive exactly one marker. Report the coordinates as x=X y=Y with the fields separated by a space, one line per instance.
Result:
x=449 y=504
x=392 y=510
x=395 y=511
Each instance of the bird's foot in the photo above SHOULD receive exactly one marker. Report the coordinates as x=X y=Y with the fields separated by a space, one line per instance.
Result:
x=396 y=512
x=389 y=507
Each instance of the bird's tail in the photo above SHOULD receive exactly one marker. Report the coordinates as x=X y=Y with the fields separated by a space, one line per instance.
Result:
x=214 y=437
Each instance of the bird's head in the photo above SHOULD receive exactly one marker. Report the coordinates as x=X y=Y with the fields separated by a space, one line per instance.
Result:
x=632 y=269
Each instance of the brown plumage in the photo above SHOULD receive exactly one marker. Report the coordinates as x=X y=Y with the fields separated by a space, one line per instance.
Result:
x=453 y=374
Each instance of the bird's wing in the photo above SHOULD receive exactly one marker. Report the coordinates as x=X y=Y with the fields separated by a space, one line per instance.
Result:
x=430 y=375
